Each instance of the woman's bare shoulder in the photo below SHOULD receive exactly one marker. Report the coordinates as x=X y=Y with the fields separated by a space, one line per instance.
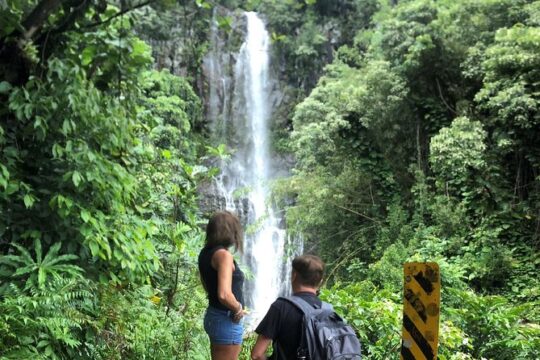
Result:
x=221 y=256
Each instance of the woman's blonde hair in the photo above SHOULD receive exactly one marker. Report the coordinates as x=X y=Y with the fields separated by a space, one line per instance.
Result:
x=224 y=229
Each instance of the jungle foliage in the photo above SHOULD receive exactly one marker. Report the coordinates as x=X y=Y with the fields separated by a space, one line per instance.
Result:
x=99 y=225
x=420 y=142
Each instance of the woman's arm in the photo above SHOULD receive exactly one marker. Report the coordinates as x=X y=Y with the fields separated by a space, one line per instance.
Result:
x=222 y=261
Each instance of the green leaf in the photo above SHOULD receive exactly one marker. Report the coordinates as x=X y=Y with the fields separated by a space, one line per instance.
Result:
x=278 y=37
x=5 y=171
x=24 y=270
x=5 y=87
x=94 y=248
x=53 y=251
x=204 y=4
x=28 y=111
x=166 y=154
x=139 y=48
x=25 y=256
x=28 y=201
x=224 y=22
x=87 y=55
x=66 y=127
x=41 y=276
x=85 y=215
x=76 y=177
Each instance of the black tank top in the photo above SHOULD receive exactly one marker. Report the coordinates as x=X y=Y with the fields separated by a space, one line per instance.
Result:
x=209 y=278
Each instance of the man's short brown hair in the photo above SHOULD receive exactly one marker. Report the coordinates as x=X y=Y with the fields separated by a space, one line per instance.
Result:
x=224 y=229
x=310 y=269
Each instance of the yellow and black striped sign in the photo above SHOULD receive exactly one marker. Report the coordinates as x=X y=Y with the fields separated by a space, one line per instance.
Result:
x=421 y=305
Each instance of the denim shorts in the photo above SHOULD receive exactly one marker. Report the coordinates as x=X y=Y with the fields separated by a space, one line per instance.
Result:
x=221 y=329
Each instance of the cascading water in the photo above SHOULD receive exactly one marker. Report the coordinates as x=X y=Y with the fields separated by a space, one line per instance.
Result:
x=239 y=109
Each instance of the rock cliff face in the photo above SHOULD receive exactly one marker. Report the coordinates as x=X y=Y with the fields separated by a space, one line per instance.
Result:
x=177 y=36
x=214 y=78
x=211 y=200
x=218 y=89
x=167 y=55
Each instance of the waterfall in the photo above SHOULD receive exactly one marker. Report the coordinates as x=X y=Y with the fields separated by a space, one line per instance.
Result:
x=241 y=97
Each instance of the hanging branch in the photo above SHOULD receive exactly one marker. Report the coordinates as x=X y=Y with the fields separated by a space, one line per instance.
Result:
x=346 y=256
x=442 y=97
x=356 y=212
x=77 y=12
x=35 y=20
x=122 y=12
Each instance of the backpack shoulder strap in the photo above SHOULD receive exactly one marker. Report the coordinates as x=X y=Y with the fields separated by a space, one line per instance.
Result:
x=300 y=303
x=306 y=309
x=327 y=306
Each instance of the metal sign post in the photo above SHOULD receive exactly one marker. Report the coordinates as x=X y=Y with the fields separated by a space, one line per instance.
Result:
x=421 y=305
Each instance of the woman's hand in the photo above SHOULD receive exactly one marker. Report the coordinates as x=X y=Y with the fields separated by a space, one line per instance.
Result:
x=239 y=315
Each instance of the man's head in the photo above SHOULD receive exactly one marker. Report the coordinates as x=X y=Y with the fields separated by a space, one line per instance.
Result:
x=309 y=270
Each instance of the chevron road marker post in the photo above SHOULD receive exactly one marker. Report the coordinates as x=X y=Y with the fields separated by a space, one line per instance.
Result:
x=421 y=307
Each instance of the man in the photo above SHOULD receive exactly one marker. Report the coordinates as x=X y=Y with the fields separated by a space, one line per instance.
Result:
x=282 y=325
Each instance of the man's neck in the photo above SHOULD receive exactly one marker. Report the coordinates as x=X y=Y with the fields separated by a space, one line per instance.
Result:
x=304 y=289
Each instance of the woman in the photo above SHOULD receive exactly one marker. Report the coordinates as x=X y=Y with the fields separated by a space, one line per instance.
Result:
x=223 y=280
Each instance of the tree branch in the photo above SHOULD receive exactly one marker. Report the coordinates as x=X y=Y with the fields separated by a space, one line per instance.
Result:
x=442 y=97
x=35 y=20
x=341 y=261
x=356 y=212
x=148 y=2
x=70 y=19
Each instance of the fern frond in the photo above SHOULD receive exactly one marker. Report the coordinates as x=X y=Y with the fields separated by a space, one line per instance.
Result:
x=11 y=260
x=68 y=269
x=41 y=276
x=52 y=253
x=37 y=248
x=61 y=258
x=24 y=270
x=25 y=256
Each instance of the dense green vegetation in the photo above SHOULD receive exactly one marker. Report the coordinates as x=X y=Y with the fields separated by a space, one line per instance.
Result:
x=420 y=142
x=415 y=129
x=99 y=229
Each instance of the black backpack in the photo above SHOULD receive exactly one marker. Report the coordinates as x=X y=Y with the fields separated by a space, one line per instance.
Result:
x=325 y=336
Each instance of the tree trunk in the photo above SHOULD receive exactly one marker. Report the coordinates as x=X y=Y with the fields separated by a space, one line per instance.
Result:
x=418 y=145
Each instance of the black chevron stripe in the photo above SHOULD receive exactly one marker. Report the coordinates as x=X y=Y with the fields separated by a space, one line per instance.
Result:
x=418 y=338
x=406 y=353
x=416 y=303
x=424 y=282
